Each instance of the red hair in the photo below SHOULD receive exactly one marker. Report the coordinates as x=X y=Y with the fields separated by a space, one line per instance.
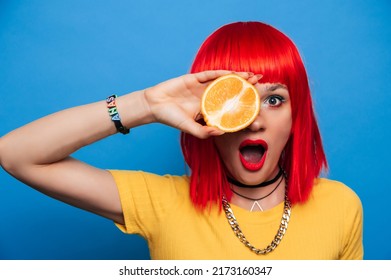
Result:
x=259 y=48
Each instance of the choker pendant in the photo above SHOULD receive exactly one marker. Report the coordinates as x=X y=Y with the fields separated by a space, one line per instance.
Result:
x=256 y=204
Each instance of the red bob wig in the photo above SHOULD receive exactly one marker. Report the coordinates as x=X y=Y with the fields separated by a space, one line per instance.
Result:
x=259 y=48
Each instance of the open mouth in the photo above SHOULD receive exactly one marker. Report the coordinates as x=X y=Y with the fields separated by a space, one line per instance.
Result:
x=252 y=154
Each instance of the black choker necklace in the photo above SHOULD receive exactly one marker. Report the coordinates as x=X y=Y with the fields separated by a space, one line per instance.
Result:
x=263 y=184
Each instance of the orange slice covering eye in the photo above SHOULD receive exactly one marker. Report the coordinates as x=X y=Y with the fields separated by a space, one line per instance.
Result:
x=230 y=103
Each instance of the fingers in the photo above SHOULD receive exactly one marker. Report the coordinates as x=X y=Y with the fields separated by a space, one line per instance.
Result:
x=250 y=77
x=207 y=76
x=254 y=79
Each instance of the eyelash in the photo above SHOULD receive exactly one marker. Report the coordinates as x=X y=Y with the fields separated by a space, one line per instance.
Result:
x=279 y=99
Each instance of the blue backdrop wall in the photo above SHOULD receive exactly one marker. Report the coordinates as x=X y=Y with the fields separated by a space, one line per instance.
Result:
x=56 y=54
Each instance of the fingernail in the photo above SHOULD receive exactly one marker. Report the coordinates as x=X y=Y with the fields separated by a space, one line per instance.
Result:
x=250 y=74
x=259 y=76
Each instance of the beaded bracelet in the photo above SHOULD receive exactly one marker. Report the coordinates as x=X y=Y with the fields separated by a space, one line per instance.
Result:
x=113 y=112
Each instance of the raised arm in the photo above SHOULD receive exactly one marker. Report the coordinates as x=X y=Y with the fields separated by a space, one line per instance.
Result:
x=38 y=153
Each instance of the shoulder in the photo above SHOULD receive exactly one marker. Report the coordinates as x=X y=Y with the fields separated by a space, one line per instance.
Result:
x=344 y=209
x=328 y=186
x=335 y=211
x=334 y=193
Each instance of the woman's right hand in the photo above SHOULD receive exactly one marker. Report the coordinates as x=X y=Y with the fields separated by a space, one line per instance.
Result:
x=177 y=102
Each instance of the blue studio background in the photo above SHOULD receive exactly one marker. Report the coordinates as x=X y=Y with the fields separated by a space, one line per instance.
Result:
x=57 y=54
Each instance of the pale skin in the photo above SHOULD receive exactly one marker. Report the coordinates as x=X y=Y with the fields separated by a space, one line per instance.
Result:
x=38 y=153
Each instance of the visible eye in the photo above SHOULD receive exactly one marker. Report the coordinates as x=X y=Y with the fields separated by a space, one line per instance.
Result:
x=273 y=101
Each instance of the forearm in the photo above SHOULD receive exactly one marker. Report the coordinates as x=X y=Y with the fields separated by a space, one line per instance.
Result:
x=55 y=137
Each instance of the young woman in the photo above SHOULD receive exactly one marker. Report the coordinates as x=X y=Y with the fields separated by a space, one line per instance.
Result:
x=252 y=194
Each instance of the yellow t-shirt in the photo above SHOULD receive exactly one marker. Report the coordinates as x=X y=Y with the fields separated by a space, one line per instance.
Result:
x=327 y=226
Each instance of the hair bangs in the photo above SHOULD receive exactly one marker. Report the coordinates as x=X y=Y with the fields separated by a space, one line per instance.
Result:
x=248 y=47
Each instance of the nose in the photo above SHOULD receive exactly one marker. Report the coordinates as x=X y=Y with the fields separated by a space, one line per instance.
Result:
x=258 y=124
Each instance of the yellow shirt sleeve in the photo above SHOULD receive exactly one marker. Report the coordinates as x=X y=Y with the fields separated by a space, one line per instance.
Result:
x=145 y=199
x=353 y=229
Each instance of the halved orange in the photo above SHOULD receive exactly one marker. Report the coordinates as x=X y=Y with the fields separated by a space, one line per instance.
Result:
x=230 y=103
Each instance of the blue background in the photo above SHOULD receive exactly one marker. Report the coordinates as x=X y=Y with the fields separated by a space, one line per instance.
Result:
x=58 y=54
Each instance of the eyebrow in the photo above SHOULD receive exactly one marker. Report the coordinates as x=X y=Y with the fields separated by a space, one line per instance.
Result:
x=274 y=87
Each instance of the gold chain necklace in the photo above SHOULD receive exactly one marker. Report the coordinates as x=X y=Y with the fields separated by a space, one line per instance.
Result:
x=239 y=234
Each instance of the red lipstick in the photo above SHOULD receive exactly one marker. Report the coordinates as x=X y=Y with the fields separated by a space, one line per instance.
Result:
x=252 y=154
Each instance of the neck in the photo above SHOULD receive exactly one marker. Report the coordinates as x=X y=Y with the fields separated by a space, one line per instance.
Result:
x=261 y=185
